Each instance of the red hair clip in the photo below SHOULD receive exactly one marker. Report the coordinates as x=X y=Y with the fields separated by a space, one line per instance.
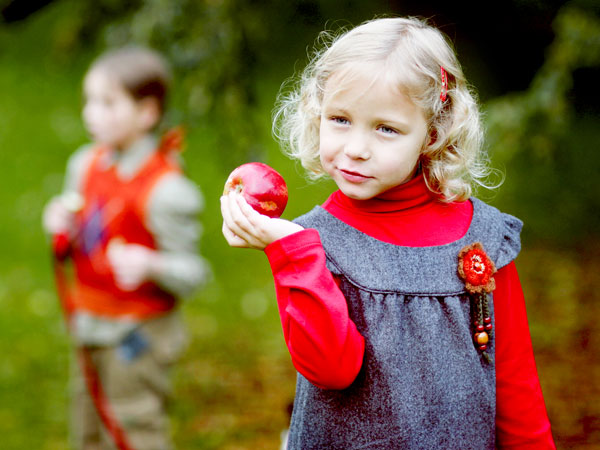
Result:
x=444 y=94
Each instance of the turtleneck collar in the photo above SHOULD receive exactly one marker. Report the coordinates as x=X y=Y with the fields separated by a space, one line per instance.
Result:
x=409 y=215
x=409 y=196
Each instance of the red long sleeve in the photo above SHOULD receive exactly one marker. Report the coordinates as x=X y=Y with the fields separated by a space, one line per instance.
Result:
x=323 y=342
x=521 y=419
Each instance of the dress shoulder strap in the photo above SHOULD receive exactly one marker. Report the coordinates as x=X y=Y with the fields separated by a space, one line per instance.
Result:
x=379 y=266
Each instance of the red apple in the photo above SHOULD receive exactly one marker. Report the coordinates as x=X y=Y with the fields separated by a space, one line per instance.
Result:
x=262 y=187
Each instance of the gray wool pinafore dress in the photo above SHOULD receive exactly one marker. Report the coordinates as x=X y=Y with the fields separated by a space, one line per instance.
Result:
x=423 y=383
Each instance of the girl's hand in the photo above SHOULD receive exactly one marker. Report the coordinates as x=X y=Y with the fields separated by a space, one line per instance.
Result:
x=245 y=228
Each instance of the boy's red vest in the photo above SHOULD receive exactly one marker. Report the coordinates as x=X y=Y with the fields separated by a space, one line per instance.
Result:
x=116 y=209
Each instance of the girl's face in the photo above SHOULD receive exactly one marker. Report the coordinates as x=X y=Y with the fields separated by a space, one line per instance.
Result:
x=111 y=115
x=371 y=134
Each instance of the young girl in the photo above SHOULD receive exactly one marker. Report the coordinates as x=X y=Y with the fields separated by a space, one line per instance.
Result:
x=399 y=298
x=130 y=217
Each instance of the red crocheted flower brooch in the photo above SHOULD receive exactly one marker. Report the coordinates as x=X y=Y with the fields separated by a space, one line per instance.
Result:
x=476 y=269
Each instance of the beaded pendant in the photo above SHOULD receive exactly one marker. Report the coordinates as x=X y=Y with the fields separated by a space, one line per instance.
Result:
x=477 y=270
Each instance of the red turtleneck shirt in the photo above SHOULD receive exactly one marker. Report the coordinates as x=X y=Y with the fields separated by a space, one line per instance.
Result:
x=327 y=349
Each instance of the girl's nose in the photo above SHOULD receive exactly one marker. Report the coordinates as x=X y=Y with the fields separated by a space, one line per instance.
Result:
x=357 y=146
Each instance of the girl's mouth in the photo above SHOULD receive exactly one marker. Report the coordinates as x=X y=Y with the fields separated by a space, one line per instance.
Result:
x=354 y=177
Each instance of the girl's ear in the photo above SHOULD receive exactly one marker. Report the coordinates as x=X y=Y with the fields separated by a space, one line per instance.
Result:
x=149 y=113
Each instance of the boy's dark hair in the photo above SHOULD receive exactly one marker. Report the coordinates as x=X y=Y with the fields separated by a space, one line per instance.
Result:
x=142 y=72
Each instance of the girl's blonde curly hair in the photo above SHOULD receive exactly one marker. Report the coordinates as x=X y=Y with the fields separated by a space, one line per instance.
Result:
x=412 y=52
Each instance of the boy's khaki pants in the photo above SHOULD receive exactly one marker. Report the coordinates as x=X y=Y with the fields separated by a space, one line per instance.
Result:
x=136 y=384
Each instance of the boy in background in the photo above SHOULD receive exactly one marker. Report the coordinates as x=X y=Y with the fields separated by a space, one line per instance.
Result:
x=129 y=218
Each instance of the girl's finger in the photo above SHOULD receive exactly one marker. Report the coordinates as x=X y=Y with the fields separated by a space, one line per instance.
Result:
x=257 y=223
x=228 y=222
x=233 y=239
x=233 y=217
x=249 y=213
x=238 y=231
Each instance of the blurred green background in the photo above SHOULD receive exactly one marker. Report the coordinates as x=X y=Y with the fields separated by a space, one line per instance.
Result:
x=536 y=67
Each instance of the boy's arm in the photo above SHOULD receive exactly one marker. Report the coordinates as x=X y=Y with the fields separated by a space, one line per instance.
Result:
x=521 y=419
x=58 y=215
x=172 y=217
x=325 y=346
x=77 y=166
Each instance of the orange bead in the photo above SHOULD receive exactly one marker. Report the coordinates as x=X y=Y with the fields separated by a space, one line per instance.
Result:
x=482 y=338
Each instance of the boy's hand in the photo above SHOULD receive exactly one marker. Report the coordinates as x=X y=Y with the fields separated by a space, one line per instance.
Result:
x=132 y=264
x=245 y=228
x=57 y=218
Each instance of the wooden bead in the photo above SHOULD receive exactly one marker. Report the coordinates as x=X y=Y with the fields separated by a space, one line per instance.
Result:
x=483 y=348
x=487 y=320
x=480 y=328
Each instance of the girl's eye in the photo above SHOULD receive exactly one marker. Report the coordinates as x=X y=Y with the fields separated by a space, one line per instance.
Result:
x=340 y=120
x=387 y=130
